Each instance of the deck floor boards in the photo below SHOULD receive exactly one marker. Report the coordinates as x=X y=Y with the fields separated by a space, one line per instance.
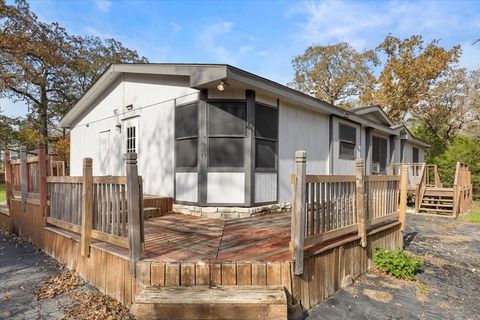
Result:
x=179 y=237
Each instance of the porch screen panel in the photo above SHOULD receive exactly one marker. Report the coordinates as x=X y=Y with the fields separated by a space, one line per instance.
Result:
x=226 y=134
x=266 y=137
x=186 y=136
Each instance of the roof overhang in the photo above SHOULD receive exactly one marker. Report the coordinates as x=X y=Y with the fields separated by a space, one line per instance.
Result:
x=374 y=110
x=405 y=134
x=208 y=76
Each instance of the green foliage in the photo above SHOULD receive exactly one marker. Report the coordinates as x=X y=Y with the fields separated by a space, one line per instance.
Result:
x=473 y=215
x=397 y=263
x=3 y=196
x=464 y=149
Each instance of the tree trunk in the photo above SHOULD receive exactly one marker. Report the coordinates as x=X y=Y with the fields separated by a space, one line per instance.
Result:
x=43 y=115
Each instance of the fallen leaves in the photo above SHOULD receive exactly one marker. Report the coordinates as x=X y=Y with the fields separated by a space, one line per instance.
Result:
x=95 y=306
x=58 y=284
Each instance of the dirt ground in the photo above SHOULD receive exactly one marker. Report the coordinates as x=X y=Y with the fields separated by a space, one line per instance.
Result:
x=447 y=288
x=24 y=269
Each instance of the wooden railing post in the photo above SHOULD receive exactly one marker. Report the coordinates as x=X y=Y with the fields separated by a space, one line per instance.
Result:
x=23 y=177
x=403 y=196
x=360 y=202
x=134 y=214
x=298 y=211
x=87 y=208
x=392 y=169
x=42 y=172
x=456 y=191
x=8 y=176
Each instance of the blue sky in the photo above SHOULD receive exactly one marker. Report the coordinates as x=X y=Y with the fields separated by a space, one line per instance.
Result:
x=260 y=36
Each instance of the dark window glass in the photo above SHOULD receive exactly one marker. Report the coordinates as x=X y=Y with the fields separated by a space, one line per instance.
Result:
x=186 y=153
x=348 y=141
x=186 y=121
x=266 y=122
x=379 y=152
x=265 y=154
x=348 y=133
x=131 y=139
x=227 y=118
x=225 y=152
x=415 y=155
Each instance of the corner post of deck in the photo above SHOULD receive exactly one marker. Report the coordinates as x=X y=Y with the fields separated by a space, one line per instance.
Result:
x=23 y=177
x=403 y=196
x=87 y=208
x=134 y=211
x=298 y=210
x=8 y=176
x=360 y=200
x=42 y=172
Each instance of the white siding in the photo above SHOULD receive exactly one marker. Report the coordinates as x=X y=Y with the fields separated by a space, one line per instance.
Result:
x=226 y=187
x=344 y=166
x=301 y=129
x=265 y=187
x=186 y=186
x=153 y=101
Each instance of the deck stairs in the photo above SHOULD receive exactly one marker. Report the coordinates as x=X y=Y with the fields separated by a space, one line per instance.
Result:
x=203 y=302
x=437 y=201
x=433 y=198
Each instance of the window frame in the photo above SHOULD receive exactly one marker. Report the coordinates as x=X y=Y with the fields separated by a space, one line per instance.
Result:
x=233 y=136
x=126 y=124
x=193 y=137
x=413 y=153
x=378 y=137
x=340 y=141
x=264 y=169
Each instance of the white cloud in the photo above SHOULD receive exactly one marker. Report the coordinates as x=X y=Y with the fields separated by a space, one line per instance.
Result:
x=176 y=28
x=103 y=5
x=263 y=53
x=470 y=55
x=209 y=40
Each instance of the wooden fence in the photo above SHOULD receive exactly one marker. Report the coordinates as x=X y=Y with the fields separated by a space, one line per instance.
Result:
x=325 y=207
x=462 y=189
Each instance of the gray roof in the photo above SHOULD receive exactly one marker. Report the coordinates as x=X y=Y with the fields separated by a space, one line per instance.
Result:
x=205 y=75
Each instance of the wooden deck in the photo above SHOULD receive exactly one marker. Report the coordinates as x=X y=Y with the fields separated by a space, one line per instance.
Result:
x=179 y=237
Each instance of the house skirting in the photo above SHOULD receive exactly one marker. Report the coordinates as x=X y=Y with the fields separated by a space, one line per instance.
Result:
x=231 y=212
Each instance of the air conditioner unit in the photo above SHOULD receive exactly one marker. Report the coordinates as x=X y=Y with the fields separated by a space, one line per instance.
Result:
x=375 y=167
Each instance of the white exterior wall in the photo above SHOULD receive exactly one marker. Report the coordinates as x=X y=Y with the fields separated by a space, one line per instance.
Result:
x=301 y=129
x=226 y=187
x=265 y=187
x=153 y=102
x=408 y=153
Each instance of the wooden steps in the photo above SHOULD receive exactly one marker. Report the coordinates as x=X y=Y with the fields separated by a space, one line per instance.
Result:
x=437 y=201
x=202 y=302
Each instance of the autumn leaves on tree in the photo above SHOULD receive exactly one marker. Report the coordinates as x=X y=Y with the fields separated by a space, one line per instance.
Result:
x=48 y=69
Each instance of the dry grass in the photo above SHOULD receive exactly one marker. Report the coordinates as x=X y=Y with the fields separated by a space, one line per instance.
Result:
x=3 y=197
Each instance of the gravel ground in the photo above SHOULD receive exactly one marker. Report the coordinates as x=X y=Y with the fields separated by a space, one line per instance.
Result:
x=23 y=269
x=447 y=288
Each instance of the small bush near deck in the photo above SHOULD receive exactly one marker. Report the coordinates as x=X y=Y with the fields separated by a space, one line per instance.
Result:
x=397 y=263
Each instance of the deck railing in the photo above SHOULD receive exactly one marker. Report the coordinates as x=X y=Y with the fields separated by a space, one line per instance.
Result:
x=325 y=207
x=108 y=209
x=462 y=189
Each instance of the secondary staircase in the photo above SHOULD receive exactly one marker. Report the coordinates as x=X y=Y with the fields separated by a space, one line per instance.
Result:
x=433 y=198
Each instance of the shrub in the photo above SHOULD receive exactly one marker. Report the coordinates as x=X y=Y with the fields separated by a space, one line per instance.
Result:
x=397 y=263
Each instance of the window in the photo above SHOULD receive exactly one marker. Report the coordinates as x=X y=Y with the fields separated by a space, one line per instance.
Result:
x=131 y=139
x=266 y=136
x=348 y=141
x=186 y=136
x=226 y=134
x=379 y=154
x=415 y=158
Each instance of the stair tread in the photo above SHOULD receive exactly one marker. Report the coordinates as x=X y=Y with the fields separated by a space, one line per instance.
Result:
x=437 y=204
x=436 y=210
x=207 y=295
